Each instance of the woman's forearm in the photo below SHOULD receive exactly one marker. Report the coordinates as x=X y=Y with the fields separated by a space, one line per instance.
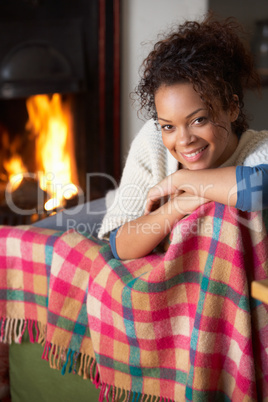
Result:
x=217 y=185
x=139 y=237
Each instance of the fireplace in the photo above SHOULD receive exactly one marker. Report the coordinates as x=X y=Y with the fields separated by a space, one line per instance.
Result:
x=59 y=104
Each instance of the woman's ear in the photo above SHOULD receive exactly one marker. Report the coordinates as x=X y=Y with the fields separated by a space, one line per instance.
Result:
x=234 y=108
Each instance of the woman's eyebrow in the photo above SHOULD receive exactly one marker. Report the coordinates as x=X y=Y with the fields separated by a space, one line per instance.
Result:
x=187 y=117
x=167 y=121
x=193 y=113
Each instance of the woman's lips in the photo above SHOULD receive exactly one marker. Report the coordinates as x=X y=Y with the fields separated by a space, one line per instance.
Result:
x=195 y=155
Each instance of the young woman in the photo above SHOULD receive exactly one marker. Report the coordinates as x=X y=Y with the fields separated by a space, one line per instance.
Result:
x=196 y=147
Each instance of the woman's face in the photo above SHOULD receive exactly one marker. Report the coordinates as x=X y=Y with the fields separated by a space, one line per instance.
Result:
x=187 y=131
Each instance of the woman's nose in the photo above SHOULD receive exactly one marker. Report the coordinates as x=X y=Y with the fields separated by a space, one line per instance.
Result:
x=184 y=137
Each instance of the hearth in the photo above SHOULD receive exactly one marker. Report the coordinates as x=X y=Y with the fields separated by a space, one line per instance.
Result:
x=59 y=104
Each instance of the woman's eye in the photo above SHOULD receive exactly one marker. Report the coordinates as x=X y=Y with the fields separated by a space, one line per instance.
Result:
x=200 y=120
x=167 y=127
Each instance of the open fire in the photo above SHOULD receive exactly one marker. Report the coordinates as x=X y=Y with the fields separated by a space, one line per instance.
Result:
x=51 y=153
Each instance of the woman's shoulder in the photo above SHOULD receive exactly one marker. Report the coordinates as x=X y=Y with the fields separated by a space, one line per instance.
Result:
x=252 y=134
x=147 y=144
x=149 y=132
x=253 y=147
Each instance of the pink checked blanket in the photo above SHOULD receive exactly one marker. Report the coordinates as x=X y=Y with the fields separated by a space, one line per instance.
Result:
x=179 y=326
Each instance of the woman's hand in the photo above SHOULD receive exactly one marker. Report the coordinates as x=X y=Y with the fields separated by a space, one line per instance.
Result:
x=186 y=203
x=170 y=187
x=159 y=194
x=217 y=185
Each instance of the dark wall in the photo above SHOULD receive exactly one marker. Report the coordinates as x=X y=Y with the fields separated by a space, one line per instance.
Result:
x=248 y=12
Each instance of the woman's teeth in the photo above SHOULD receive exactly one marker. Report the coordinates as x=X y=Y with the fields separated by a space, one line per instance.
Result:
x=196 y=152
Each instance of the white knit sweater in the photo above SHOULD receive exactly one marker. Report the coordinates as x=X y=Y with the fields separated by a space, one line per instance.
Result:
x=149 y=162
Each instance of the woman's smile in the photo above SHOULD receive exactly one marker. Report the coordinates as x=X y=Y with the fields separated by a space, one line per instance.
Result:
x=193 y=156
x=187 y=130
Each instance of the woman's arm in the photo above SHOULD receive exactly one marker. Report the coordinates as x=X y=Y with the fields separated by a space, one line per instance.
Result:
x=242 y=187
x=252 y=184
x=139 y=237
x=217 y=185
x=188 y=190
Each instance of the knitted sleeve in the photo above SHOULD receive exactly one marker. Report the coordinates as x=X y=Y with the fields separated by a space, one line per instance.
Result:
x=145 y=167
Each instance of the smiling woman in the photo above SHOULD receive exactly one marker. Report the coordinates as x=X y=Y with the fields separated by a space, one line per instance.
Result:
x=197 y=146
x=187 y=130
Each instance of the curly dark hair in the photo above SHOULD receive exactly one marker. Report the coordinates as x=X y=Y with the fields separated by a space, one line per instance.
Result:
x=212 y=56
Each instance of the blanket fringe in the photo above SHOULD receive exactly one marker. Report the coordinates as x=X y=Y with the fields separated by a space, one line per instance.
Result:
x=13 y=329
x=81 y=370
x=46 y=351
x=113 y=394
x=59 y=358
x=42 y=333
x=88 y=370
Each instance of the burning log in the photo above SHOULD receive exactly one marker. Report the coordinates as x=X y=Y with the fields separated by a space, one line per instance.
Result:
x=23 y=204
x=27 y=195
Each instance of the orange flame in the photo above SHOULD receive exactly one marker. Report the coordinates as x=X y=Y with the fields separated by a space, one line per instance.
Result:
x=50 y=121
x=15 y=169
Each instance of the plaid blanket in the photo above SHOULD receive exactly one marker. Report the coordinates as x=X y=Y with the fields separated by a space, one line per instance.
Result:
x=179 y=326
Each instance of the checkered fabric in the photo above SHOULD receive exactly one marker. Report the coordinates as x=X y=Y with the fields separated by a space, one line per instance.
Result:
x=179 y=326
x=183 y=326
x=25 y=263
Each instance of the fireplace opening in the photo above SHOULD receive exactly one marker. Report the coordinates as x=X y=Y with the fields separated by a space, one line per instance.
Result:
x=59 y=106
x=38 y=154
